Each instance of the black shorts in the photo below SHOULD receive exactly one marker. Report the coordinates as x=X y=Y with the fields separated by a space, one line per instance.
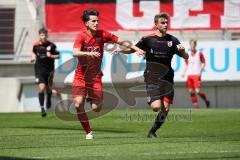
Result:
x=44 y=77
x=163 y=91
x=159 y=87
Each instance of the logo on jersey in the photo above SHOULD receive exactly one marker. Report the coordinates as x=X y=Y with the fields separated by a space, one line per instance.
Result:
x=169 y=43
x=49 y=48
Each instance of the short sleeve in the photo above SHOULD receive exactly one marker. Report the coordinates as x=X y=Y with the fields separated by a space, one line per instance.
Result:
x=202 y=58
x=140 y=44
x=54 y=49
x=176 y=42
x=34 y=49
x=78 y=43
x=108 y=37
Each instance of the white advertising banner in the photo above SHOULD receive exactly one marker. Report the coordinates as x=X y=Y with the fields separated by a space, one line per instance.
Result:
x=138 y=15
x=222 y=62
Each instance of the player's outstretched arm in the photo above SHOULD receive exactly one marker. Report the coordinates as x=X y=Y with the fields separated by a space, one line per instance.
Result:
x=182 y=51
x=128 y=48
x=78 y=53
x=202 y=67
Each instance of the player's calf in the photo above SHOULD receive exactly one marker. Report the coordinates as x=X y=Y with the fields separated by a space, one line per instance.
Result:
x=49 y=97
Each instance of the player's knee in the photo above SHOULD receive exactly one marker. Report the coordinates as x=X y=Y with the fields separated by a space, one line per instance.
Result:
x=41 y=89
x=78 y=102
x=198 y=92
x=191 y=91
x=96 y=107
x=156 y=105
x=155 y=108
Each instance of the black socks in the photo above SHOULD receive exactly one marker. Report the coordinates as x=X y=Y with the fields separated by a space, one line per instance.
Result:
x=49 y=96
x=41 y=99
x=160 y=119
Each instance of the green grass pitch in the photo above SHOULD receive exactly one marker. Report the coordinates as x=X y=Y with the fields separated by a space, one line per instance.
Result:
x=121 y=135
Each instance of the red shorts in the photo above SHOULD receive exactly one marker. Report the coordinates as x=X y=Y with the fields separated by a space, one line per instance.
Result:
x=93 y=90
x=194 y=81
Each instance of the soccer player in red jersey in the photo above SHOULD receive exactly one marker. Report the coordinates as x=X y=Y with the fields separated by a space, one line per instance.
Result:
x=194 y=68
x=87 y=84
x=44 y=54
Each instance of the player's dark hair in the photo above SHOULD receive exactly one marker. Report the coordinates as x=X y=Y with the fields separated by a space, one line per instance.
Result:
x=88 y=13
x=161 y=15
x=43 y=30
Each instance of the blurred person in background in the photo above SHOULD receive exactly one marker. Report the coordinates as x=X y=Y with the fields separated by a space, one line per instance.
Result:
x=194 y=68
x=44 y=54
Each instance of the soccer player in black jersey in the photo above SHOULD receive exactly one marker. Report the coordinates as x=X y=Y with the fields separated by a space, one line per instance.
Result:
x=44 y=53
x=159 y=49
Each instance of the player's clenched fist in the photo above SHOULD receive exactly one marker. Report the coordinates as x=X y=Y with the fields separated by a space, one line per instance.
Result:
x=94 y=54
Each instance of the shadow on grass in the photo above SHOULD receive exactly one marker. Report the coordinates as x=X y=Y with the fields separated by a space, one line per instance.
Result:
x=109 y=130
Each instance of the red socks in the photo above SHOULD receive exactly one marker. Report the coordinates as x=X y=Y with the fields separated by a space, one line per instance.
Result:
x=202 y=95
x=193 y=97
x=83 y=118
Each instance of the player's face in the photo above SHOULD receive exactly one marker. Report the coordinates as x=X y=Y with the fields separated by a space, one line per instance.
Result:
x=162 y=25
x=92 y=23
x=193 y=45
x=43 y=37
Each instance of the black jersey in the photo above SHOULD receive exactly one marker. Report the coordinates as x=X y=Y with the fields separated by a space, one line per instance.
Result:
x=44 y=63
x=159 y=54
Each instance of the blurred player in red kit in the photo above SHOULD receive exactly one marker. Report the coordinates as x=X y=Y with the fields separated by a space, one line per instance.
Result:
x=194 y=68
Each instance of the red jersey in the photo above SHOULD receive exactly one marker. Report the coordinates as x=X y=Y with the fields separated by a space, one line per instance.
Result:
x=89 y=68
